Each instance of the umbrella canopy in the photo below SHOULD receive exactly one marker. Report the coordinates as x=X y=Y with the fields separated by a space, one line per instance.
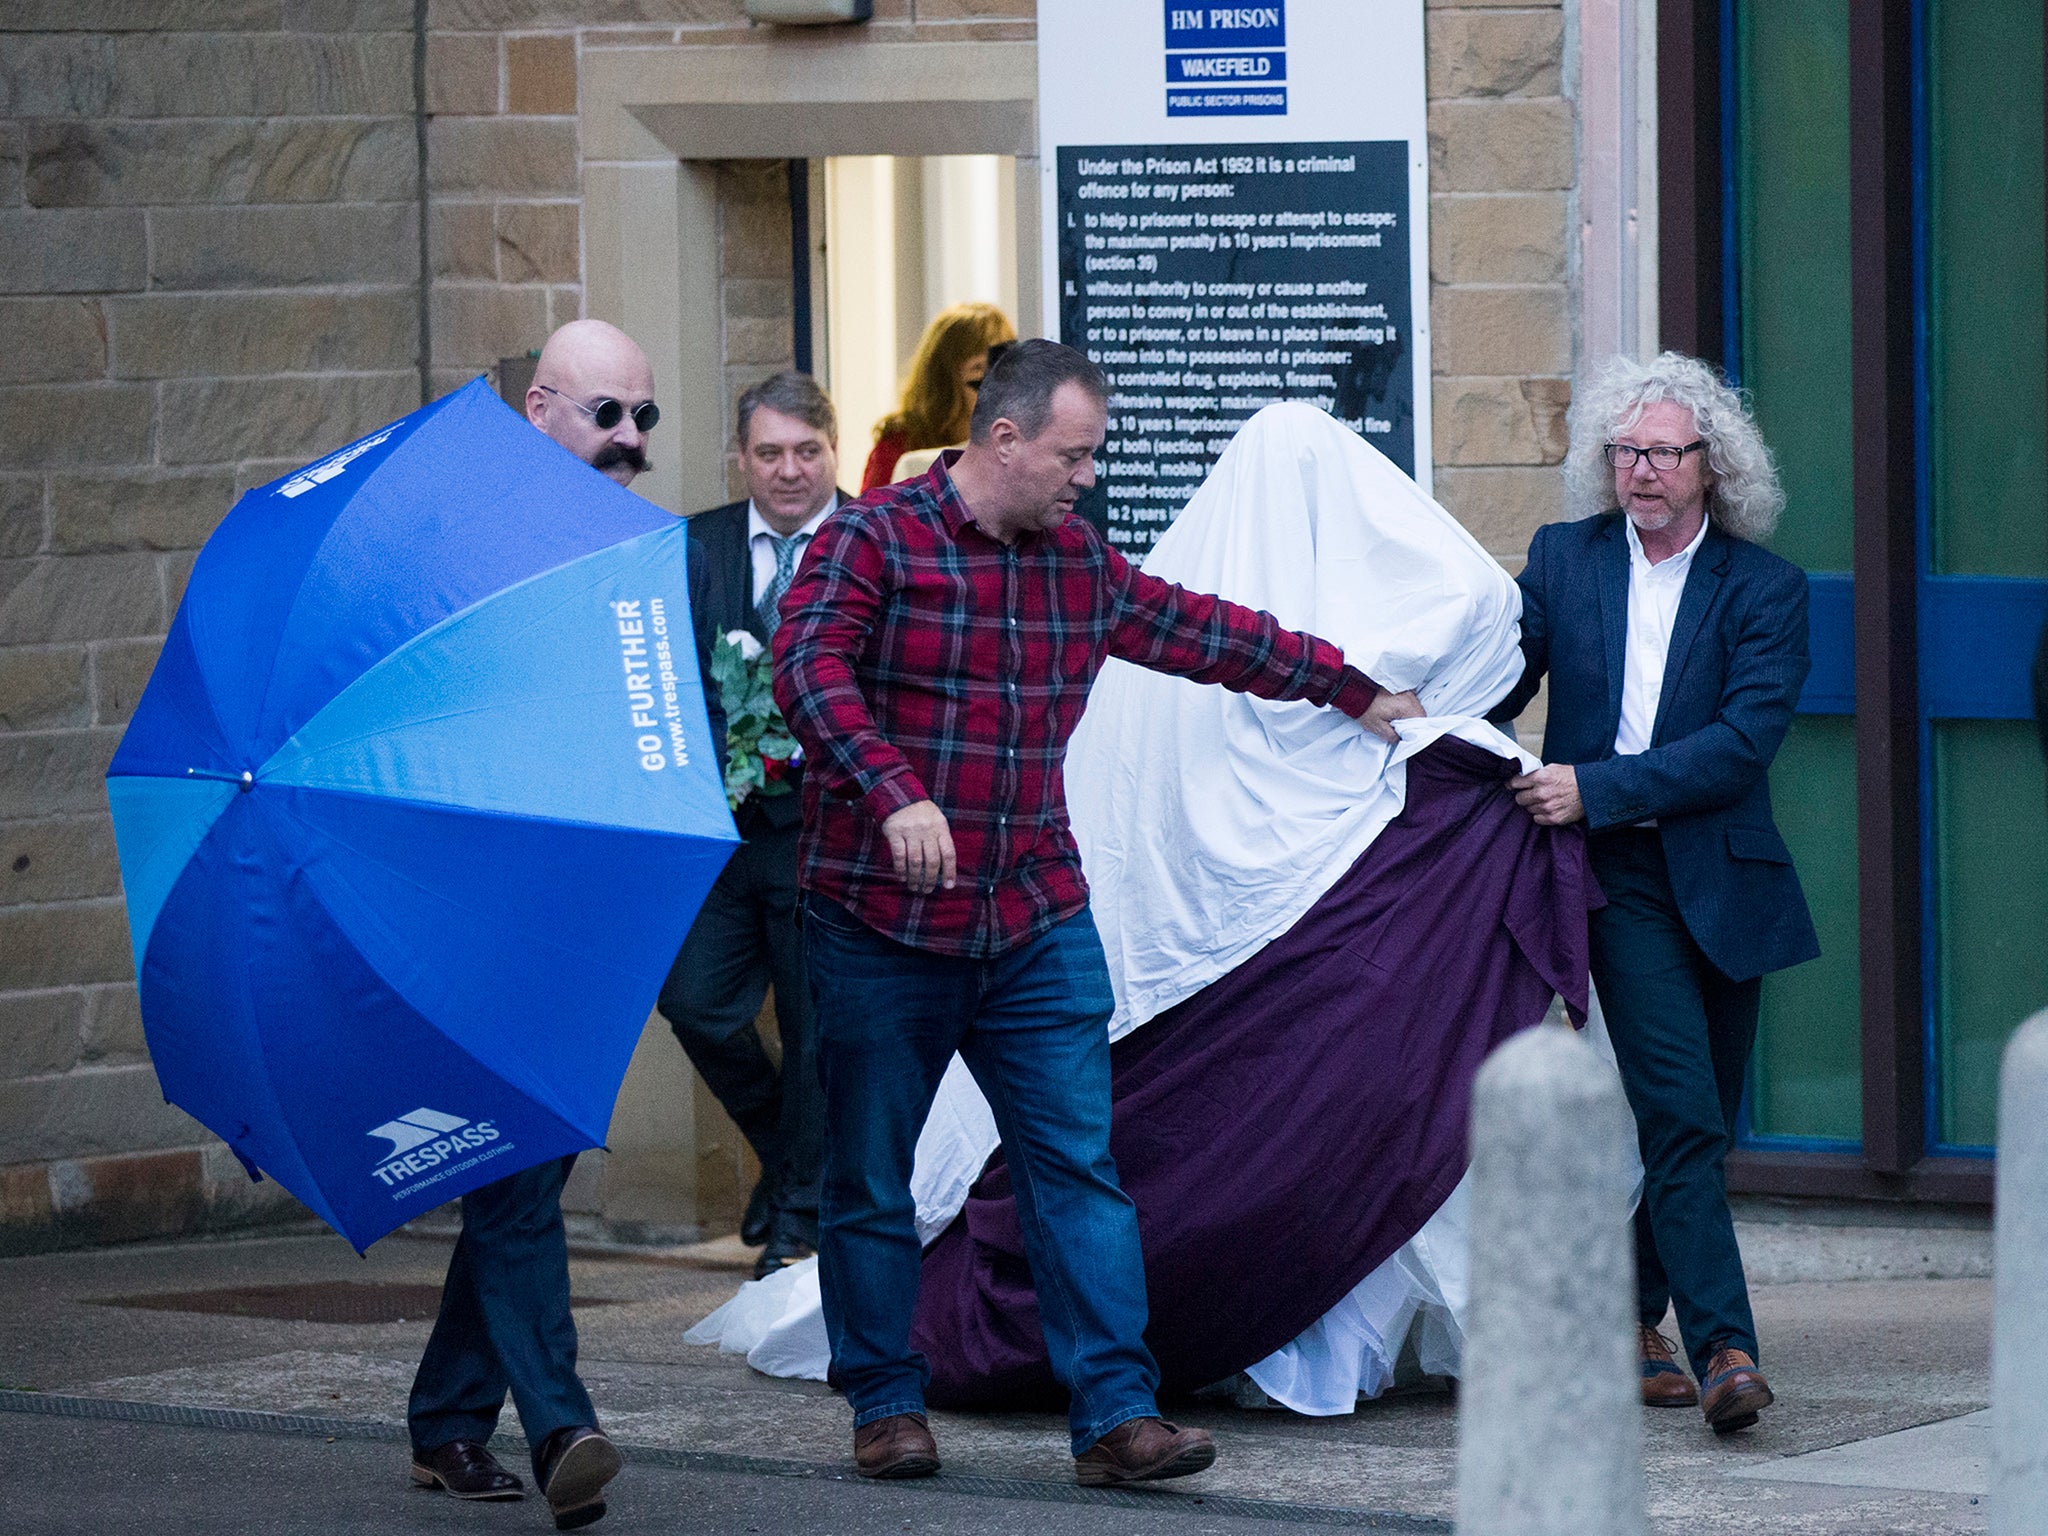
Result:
x=415 y=812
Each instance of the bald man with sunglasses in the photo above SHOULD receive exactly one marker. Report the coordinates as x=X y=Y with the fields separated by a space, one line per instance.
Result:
x=504 y=1323
x=593 y=392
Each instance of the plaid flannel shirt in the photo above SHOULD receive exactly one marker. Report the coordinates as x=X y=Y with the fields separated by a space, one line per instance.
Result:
x=920 y=659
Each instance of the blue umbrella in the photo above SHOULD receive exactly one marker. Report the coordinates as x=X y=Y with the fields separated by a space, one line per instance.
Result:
x=415 y=812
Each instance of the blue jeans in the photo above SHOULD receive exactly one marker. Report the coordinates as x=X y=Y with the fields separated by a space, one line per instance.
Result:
x=1032 y=1026
x=504 y=1320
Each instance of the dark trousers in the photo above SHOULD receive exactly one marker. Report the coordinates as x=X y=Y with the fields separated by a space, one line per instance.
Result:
x=1032 y=1026
x=745 y=939
x=504 y=1322
x=1682 y=1034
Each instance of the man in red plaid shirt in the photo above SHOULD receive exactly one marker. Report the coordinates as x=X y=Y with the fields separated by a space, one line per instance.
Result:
x=935 y=653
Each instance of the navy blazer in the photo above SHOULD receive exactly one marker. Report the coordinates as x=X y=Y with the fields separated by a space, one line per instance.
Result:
x=1737 y=661
x=722 y=599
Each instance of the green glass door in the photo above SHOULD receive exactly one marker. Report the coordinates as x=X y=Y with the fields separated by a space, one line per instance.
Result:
x=1790 y=350
x=1986 y=547
x=1982 y=375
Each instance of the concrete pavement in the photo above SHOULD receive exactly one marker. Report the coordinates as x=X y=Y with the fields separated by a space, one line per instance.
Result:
x=711 y=1445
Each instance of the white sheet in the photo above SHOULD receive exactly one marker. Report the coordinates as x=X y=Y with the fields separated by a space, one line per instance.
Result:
x=1209 y=822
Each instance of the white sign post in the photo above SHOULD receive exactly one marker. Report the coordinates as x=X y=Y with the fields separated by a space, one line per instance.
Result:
x=1235 y=211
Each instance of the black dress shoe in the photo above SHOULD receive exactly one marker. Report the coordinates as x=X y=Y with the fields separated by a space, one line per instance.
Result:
x=790 y=1241
x=466 y=1470
x=760 y=1213
x=574 y=1465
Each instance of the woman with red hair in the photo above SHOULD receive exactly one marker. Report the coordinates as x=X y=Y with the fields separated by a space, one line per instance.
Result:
x=938 y=398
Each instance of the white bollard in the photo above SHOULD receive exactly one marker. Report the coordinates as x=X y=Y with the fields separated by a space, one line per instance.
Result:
x=2019 y=1336
x=1549 y=1414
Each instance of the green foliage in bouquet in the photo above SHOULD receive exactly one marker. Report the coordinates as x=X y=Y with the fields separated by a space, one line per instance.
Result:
x=759 y=748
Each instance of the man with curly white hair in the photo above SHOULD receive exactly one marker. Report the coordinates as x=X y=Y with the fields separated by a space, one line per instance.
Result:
x=1676 y=646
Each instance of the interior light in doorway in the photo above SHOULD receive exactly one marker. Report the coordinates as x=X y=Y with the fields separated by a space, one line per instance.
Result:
x=905 y=238
x=809 y=13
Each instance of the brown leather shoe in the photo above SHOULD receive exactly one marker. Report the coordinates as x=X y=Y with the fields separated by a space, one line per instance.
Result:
x=899 y=1446
x=1734 y=1391
x=1144 y=1451
x=1665 y=1385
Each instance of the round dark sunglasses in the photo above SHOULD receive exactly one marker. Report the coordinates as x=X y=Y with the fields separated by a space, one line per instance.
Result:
x=608 y=413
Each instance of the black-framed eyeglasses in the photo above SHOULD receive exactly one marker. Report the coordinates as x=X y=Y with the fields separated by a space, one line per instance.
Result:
x=608 y=413
x=1663 y=456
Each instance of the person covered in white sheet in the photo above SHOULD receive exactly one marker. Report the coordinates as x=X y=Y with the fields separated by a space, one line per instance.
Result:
x=1209 y=823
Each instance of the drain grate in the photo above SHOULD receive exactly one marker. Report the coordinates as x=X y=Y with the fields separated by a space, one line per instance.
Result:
x=324 y=1301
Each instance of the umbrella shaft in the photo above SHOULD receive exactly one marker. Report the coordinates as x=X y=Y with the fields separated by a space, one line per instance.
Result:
x=245 y=779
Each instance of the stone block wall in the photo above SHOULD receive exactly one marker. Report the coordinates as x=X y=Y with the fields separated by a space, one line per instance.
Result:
x=1501 y=169
x=756 y=284
x=207 y=269
x=505 y=175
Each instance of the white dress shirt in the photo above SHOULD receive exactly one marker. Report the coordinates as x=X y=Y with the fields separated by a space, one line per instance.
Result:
x=761 y=543
x=1653 y=593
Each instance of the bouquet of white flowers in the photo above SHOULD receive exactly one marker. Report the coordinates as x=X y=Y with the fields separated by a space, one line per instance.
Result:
x=759 y=751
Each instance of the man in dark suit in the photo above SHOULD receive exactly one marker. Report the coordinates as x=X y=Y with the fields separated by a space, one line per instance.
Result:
x=742 y=557
x=1676 y=648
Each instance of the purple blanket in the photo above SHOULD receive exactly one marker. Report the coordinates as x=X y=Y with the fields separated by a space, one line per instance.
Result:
x=1288 y=1128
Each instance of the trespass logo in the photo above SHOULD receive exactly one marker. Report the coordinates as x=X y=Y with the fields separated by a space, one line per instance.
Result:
x=424 y=1139
x=1226 y=60
x=332 y=465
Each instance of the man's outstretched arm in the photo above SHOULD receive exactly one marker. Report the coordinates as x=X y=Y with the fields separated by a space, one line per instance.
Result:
x=1209 y=639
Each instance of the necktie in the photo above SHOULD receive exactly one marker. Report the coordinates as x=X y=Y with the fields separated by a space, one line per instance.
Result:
x=786 y=552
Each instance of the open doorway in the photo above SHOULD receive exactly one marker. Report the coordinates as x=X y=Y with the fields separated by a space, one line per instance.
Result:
x=903 y=238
